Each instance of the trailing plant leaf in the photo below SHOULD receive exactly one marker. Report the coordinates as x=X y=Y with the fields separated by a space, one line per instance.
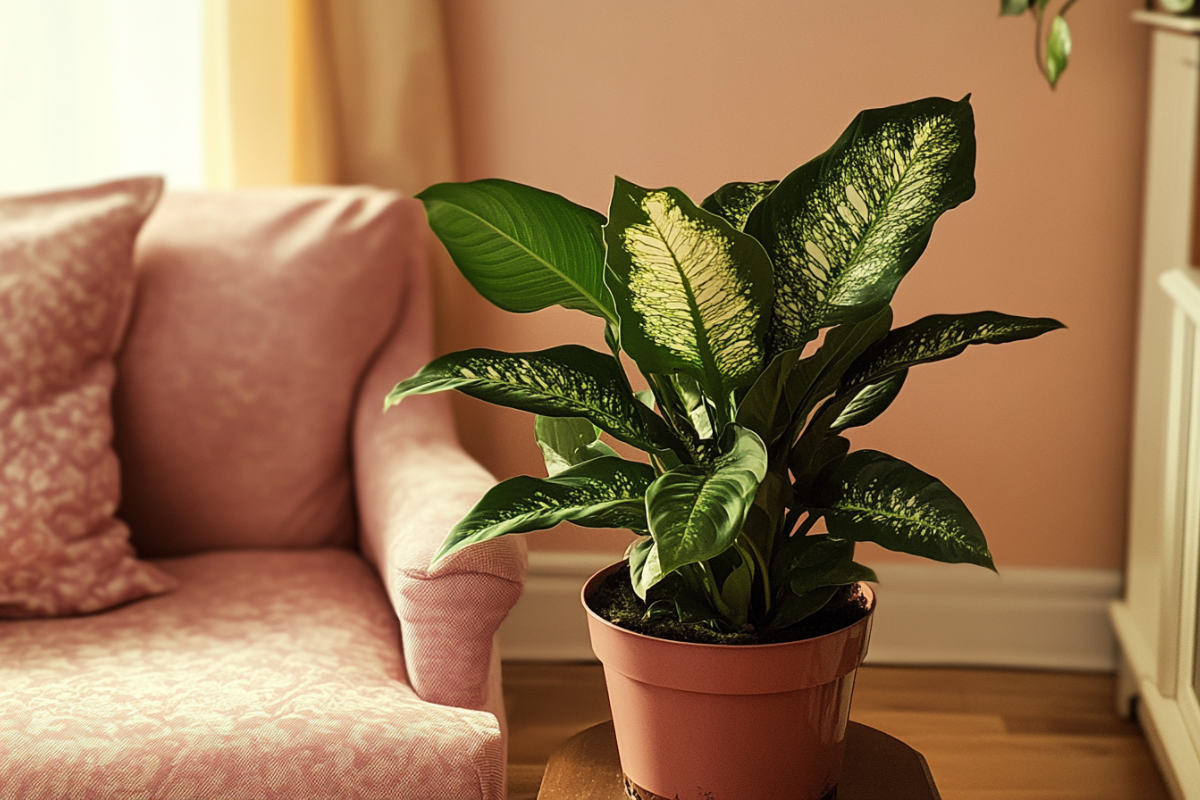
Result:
x=522 y=248
x=692 y=293
x=941 y=336
x=567 y=441
x=696 y=511
x=605 y=492
x=873 y=497
x=1058 y=49
x=843 y=229
x=565 y=381
x=734 y=201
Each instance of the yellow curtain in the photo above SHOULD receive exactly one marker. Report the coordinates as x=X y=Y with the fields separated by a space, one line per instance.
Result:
x=327 y=91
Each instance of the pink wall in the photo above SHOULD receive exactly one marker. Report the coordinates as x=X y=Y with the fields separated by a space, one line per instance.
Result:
x=694 y=93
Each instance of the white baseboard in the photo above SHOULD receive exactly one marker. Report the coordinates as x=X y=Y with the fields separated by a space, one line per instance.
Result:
x=934 y=614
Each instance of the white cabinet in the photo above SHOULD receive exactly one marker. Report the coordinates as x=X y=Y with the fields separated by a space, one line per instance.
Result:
x=1156 y=622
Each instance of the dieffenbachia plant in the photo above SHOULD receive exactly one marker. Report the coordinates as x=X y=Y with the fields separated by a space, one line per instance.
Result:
x=760 y=321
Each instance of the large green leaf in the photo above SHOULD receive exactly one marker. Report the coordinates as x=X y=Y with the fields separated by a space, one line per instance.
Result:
x=735 y=201
x=522 y=248
x=567 y=441
x=872 y=497
x=843 y=229
x=696 y=511
x=604 y=492
x=693 y=294
x=941 y=336
x=565 y=381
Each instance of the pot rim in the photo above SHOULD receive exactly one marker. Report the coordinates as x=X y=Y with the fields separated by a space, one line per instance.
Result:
x=603 y=573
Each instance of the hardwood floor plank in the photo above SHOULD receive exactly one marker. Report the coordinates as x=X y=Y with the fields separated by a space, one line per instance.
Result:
x=987 y=734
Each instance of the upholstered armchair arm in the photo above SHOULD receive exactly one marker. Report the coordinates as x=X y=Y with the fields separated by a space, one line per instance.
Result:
x=414 y=483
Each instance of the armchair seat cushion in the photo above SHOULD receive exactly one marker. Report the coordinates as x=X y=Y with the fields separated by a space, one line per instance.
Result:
x=268 y=674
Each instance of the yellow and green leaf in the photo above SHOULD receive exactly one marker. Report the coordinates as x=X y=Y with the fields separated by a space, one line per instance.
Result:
x=693 y=294
x=872 y=497
x=845 y=228
x=565 y=381
x=940 y=336
x=606 y=492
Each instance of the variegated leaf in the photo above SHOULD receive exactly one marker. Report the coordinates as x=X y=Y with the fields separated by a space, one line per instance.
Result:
x=692 y=293
x=872 y=497
x=865 y=403
x=567 y=441
x=522 y=248
x=843 y=229
x=735 y=201
x=605 y=492
x=941 y=336
x=566 y=381
x=696 y=512
x=644 y=568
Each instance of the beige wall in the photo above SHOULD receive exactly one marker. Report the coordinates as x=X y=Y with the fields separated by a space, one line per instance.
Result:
x=694 y=93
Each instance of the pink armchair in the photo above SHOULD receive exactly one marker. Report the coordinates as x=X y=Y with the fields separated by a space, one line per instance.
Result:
x=310 y=650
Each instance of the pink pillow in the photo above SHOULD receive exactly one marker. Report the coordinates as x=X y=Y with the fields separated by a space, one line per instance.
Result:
x=257 y=314
x=66 y=282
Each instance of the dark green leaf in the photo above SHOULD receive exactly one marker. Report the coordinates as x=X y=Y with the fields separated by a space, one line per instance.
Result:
x=764 y=408
x=522 y=248
x=819 y=375
x=605 y=492
x=1012 y=8
x=1058 y=49
x=566 y=381
x=873 y=497
x=865 y=403
x=735 y=201
x=790 y=608
x=693 y=294
x=696 y=511
x=845 y=228
x=567 y=441
x=941 y=336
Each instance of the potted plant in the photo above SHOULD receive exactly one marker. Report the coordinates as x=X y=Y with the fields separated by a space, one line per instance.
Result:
x=760 y=326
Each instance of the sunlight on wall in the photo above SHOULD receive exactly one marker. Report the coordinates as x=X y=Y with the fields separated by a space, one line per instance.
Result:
x=92 y=90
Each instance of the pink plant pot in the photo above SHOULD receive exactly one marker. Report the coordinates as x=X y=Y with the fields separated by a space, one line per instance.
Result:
x=729 y=722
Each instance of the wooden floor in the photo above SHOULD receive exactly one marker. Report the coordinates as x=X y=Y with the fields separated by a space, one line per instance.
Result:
x=987 y=734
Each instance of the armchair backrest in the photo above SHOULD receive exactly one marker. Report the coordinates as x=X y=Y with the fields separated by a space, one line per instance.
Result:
x=255 y=318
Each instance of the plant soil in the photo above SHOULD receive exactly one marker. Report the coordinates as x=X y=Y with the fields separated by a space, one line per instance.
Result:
x=615 y=601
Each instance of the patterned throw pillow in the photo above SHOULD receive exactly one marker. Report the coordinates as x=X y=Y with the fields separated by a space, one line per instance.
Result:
x=66 y=284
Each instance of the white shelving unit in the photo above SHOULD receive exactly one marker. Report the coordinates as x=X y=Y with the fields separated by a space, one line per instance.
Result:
x=1156 y=622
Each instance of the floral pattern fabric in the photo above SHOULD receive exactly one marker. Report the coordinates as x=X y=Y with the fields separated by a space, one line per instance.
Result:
x=266 y=675
x=66 y=282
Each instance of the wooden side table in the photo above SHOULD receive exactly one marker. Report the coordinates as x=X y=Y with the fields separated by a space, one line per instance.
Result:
x=877 y=767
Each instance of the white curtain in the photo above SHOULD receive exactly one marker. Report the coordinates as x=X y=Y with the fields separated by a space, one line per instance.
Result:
x=96 y=89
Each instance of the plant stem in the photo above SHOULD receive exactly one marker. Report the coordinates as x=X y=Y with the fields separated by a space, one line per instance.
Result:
x=764 y=569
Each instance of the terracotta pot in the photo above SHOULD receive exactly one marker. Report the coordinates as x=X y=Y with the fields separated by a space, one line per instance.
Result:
x=729 y=722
